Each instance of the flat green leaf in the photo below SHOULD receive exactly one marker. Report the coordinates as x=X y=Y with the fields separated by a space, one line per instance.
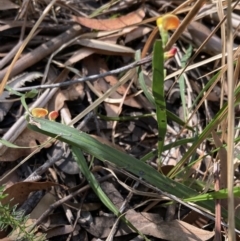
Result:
x=120 y=159
x=141 y=80
x=81 y=161
x=182 y=88
x=221 y=194
x=149 y=95
x=158 y=93
x=11 y=145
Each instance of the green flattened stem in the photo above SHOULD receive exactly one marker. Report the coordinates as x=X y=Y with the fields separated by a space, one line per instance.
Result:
x=158 y=93
x=120 y=159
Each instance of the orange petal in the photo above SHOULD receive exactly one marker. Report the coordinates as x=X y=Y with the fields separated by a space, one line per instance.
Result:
x=39 y=112
x=53 y=115
x=168 y=22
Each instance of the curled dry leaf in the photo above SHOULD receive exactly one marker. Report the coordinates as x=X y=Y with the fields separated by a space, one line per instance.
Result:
x=26 y=139
x=18 y=192
x=112 y=24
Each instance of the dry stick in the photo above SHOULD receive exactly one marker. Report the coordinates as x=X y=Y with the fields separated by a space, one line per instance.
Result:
x=91 y=77
x=173 y=39
x=216 y=174
x=21 y=124
x=12 y=53
x=42 y=51
x=8 y=70
x=127 y=67
x=231 y=126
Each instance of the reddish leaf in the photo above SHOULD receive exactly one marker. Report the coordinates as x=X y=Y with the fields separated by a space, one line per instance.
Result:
x=114 y=23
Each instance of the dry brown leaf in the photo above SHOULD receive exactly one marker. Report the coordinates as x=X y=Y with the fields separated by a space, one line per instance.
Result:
x=113 y=37
x=111 y=109
x=73 y=92
x=47 y=200
x=112 y=24
x=105 y=47
x=79 y=55
x=18 y=192
x=137 y=33
x=111 y=79
x=7 y=4
x=10 y=179
x=147 y=223
x=28 y=138
x=96 y=65
x=150 y=224
x=62 y=230
x=199 y=32
x=196 y=219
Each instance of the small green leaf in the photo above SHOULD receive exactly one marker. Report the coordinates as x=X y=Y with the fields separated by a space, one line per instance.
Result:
x=31 y=94
x=158 y=93
x=221 y=194
x=11 y=145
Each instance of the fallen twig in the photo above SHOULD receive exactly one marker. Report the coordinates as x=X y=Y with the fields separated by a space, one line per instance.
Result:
x=91 y=77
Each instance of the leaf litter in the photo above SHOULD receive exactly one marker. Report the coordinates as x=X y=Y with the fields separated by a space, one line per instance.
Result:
x=106 y=42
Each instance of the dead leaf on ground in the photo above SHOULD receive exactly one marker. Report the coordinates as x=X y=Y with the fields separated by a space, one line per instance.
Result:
x=137 y=33
x=106 y=47
x=79 y=55
x=73 y=92
x=10 y=179
x=96 y=65
x=65 y=229
x=112 y=24
x=7 y=4
x=18 y=192
x=150 y=224
x=111 y=109
x=147 y=223
x=45 y=202
x=29 y=139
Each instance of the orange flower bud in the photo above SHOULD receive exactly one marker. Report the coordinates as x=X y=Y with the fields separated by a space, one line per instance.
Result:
x=53 y=115
x=39 y=112
x=168 y=22
x=170 y=53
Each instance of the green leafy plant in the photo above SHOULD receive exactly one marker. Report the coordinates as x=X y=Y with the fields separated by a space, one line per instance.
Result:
x=11 y=217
